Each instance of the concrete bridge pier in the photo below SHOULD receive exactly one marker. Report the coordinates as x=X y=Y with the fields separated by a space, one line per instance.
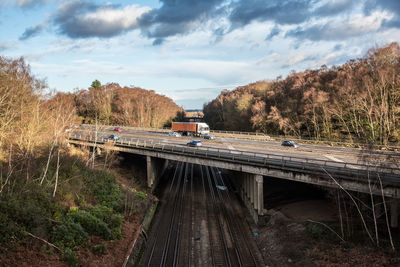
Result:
x=259 y=179
x=394 y=213
x=155 y=169
x=251 y=191
x=250 y=188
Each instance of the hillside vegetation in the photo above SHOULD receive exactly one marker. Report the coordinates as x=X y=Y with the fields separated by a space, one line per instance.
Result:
x=358 y=101
x=52 y=195
x=115 y=105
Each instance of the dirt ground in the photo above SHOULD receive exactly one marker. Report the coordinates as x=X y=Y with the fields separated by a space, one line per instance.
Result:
x=285 y=241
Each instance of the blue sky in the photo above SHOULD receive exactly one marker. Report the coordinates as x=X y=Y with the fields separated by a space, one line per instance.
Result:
x=185 y=49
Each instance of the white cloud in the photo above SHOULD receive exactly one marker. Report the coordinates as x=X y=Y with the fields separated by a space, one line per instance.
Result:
x=341 y=28
x=127 y=18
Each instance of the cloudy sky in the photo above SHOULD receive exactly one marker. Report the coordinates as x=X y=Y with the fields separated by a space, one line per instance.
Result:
x=189 y=50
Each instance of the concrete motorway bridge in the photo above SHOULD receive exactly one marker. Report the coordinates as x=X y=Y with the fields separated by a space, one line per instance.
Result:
x=252 y=166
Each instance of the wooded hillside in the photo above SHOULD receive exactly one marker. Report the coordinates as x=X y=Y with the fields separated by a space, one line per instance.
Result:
x=115 y=105
x=358 y=101
x=55 y=203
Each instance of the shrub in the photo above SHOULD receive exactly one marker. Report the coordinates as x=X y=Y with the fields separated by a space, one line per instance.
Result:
x=320 y=232
x=140 y=195
x=116 y=225
x=101 y=212
x=99 y=249
x=103 y=187
x=106 y=215
x=69 y=234
x=91 y=224
x=70 y=257
x=28 y=211
x=9 y=231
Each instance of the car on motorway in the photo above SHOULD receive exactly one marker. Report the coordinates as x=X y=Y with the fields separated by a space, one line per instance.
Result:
x=289 y=143
x=176 y=134
x=118 y=129
x=194 y=143
x=114 y=137
x=208 y=136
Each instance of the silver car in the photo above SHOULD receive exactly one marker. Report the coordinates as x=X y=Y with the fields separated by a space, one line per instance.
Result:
x=208 y=136
x=176 y=134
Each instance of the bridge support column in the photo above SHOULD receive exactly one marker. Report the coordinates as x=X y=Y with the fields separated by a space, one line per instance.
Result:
x=150 y=172
x=255 y=191
x=253 y=195
x=155 y=169
x=394 y=213
x=251 y=189
x=247 y=187
x=241 y=184
x=260 y=194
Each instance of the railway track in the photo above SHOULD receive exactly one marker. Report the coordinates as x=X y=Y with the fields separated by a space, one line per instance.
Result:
x=197 y=224
x=238 y=229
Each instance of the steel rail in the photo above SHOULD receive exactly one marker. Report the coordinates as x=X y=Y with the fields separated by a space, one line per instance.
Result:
x=172 y=220
x=157 y=233
x=236 y=226
x=217 y=219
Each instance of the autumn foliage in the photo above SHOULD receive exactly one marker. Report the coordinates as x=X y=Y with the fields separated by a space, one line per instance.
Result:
x=112 y=104
x=358 y=101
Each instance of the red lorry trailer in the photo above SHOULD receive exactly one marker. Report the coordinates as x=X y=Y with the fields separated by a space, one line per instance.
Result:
x=191 y=128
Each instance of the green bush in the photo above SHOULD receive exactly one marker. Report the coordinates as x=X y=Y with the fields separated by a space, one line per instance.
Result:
x=319 y=232
x=9 y=231
x=116 y=225
x=99 y=249
x=104 y=189
x=69 y=234
x=112 y=219
x=27 y=212
x=91 y=224
x=316 y=231
x=101 y=212
x=141 y=195
x=70 y=257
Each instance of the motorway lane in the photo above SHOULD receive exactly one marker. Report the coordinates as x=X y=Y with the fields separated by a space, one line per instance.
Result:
x=235 y=145
x=304 y=147
x=306 y=151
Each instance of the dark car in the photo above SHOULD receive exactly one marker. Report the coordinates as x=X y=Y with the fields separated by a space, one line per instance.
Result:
x=208 y=136
x=114 y=137
x=117 y=129
x=194 y=143
x=289 y=143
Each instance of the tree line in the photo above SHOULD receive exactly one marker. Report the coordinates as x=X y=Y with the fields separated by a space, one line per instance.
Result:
x=116 y=105
x=358 y=101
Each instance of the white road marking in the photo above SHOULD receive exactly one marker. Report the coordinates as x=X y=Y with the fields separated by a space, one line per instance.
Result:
x=333 y=158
